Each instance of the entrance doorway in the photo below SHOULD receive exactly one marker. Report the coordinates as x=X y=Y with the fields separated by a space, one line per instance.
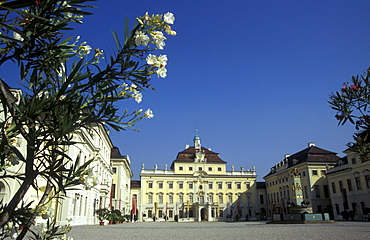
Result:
x=204 y=214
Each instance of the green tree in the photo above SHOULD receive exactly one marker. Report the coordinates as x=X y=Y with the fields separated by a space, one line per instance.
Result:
x=65 y=88
x=352 y=105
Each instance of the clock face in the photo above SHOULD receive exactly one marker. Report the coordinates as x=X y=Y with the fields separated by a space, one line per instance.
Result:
x=200 y=156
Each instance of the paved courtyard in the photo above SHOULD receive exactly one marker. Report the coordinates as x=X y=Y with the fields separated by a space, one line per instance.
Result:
x=222 y=230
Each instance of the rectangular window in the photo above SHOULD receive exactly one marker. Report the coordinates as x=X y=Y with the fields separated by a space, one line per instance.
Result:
x=334 y=190
x=160 y=185
x=261 y=199
x=303 y=173
x=229 y=185
x=210 y=169
x=210 y=185
x=114 y=170
x=314 y=172
x=190 y=168
x=190 y=185
x=181 y=168
x=150 y=184
x=181 y=198
x=337 y=208
x=230 y=198
x=181 y=185
x=170 y=198
x=353 y=160
x=248 y=185
x=317 y=191
x=219 y=169
x=150 y=213
x=170 y=213
x=326 y=191
x=367 y=180
x=150 y=198
x=341 y=185
x=200 y=168
x=238 y=185
x=170 y=185
x=191 y=198
x=219 y=185
x=349 y=183
x=358 y=183
x=323 y=172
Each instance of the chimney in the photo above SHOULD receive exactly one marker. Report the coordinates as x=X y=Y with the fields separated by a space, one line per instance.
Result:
x=311 y=144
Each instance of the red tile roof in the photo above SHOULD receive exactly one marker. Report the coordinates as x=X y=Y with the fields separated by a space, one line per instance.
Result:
x=188 y=155
x=135 y=184
x=311 y=154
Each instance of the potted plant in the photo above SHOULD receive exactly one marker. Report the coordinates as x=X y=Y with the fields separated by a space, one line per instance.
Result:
x=112 y=217
x=102 y=214
x=121 y=219
x=117 y=218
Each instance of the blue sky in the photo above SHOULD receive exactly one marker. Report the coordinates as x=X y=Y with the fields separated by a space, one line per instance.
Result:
x=253 y=77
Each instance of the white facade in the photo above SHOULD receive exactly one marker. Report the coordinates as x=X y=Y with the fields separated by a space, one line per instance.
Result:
x=81 y=201
x=78 y=206
x=120 y=196
x=349 y=183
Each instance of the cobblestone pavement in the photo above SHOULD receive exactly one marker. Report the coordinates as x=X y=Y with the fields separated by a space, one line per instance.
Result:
x=222 y=230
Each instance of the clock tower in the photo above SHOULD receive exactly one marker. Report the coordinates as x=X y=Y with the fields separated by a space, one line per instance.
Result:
x=196 y=139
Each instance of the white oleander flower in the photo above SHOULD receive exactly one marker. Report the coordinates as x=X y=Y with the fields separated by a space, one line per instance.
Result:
x=14 y=236
x=85 y=49
x=149 y=113
x=151 y=59
x=141 y=39
x=162 y=60
x=158 y=35
x=162 y=72
x=168 y=30
x=160 y=44
x=17 y=36
x=138 y=97
x=169 y=18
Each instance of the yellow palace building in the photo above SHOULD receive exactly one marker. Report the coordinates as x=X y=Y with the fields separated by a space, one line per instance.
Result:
x=197 y=187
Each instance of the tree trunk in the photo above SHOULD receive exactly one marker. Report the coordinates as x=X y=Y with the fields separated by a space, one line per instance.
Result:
x=9 y=209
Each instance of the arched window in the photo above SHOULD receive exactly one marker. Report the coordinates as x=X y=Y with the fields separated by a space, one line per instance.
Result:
x=191 y=198
x=160 y=198
x=181 y=198
x=2 y=191
x=220 y=199
x=210 y=198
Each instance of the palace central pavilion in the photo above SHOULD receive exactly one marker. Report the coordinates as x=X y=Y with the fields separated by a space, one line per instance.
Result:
x=197 y=187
